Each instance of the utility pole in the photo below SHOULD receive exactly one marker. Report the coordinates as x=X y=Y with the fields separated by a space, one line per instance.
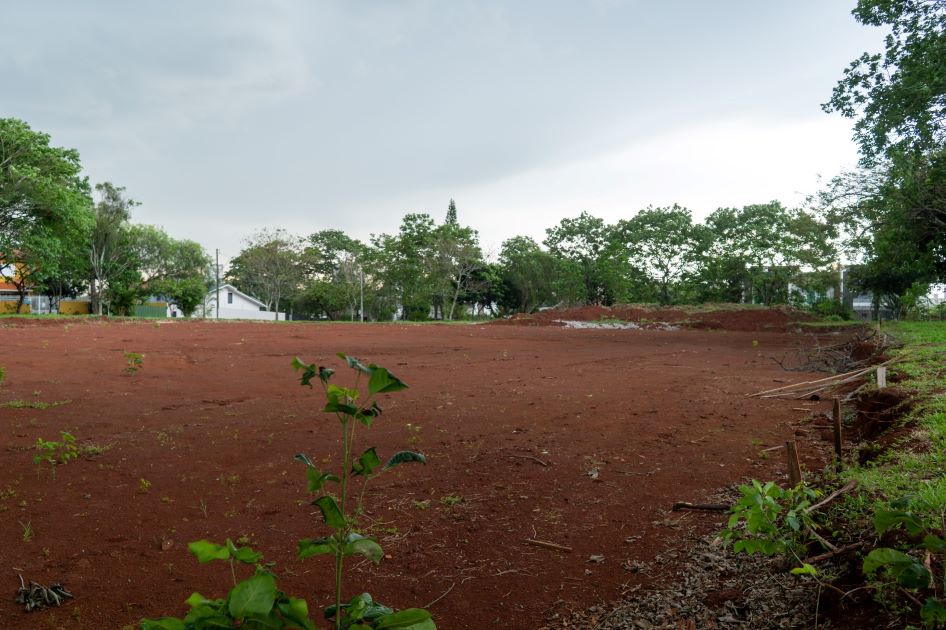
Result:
x=361 y=271
x=217 y=274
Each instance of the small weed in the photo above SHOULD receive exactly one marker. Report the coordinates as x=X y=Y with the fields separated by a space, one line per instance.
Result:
x=203 y=508
x=134 y=362
x=64 y=451
x=450 y=500
x=421 y=505
x=33 y=404
x=53 y=453
x=143 y=484
x=3 y=374
x=28 y=532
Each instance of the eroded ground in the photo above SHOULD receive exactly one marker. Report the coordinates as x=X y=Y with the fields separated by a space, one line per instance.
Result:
x=582 y=438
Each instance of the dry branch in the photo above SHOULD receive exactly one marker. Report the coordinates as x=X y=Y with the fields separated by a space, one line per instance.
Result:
x=547 y=545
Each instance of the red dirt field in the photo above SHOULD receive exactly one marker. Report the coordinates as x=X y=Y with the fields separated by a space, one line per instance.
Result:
x=511 y=418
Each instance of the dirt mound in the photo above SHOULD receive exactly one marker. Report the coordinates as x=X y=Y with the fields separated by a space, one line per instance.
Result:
x=732 y=318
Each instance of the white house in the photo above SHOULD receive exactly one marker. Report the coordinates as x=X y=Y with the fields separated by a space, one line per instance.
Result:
x=234 y=304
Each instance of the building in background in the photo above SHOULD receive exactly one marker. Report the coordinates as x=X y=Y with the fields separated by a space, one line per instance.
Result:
x=234 y=304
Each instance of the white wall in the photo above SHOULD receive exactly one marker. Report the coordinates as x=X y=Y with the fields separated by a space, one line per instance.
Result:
x=240 y=308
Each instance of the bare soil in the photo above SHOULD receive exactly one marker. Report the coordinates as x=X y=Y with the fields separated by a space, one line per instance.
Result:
x=582 y=438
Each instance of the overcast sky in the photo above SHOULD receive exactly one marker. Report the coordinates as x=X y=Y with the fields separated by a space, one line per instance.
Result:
x=225 y=117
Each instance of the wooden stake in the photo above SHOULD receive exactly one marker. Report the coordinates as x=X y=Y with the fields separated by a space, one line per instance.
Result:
x=794 y=467
x=881 y=377
x=836 y=417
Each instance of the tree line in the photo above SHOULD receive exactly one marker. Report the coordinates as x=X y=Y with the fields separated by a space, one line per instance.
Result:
x=437 y=269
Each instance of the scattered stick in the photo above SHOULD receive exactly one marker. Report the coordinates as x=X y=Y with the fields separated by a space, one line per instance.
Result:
x=631 y=473
x=881 y=377
x=711 y=507
x=831 y=554
x=772 y=448
x=850 y=485
x=794 y=467
x=445 y=593
x=836 y=421
x=535 y=459
x=548 y=545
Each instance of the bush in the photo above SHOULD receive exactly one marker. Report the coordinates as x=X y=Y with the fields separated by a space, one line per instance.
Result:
x=832 y=310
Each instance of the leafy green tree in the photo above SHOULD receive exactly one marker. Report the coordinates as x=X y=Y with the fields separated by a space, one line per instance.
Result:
x=663 y=243
x=898 y=98
x=110 y=254
x=528 y=273
x=898 y=101
x=40 y=185
x=455 y=259
x=334 y=270
x=402 y=264
x=584 y=244
x=764 y=246
x=269 y=267
x=44 y=207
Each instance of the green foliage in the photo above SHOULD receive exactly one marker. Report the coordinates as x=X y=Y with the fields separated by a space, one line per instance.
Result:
x=771 y=520
x=908 y=570
x=255 y=602
x=3 y=375
x=45 y=209
x=663 y=243
x=269 y=267
x=829 y=308
x=897 y=98
x=134 y=362
x=56 y=452
x=353 y=407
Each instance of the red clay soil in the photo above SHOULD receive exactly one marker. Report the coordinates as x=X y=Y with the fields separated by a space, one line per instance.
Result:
x=745 y=319
x=514 y=421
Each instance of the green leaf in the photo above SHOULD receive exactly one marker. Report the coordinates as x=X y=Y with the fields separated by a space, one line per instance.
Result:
x=196 y=600
x=933 y=612
x=302 y=457
x=367 y=415
x=366 y=463
x=367 y=547
x=805 y=569
x=207 y=551
x=254 y=596
x=354 y=363
x=316 y=546
x=243 y=554
x=403 y=457
x=934 y=544
x=908 y=571
x=408 y=619
x=296 y=611
x=317 y=479
x=330 y=512
x=309 y=371
x=887 y=519
x=382 y=381
x=333 y=406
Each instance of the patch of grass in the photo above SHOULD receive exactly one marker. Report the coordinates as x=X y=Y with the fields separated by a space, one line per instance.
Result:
x=450 y=500
x=33 y=404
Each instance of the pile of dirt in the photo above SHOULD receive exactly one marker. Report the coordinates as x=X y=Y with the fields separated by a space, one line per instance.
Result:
x=732 y=318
